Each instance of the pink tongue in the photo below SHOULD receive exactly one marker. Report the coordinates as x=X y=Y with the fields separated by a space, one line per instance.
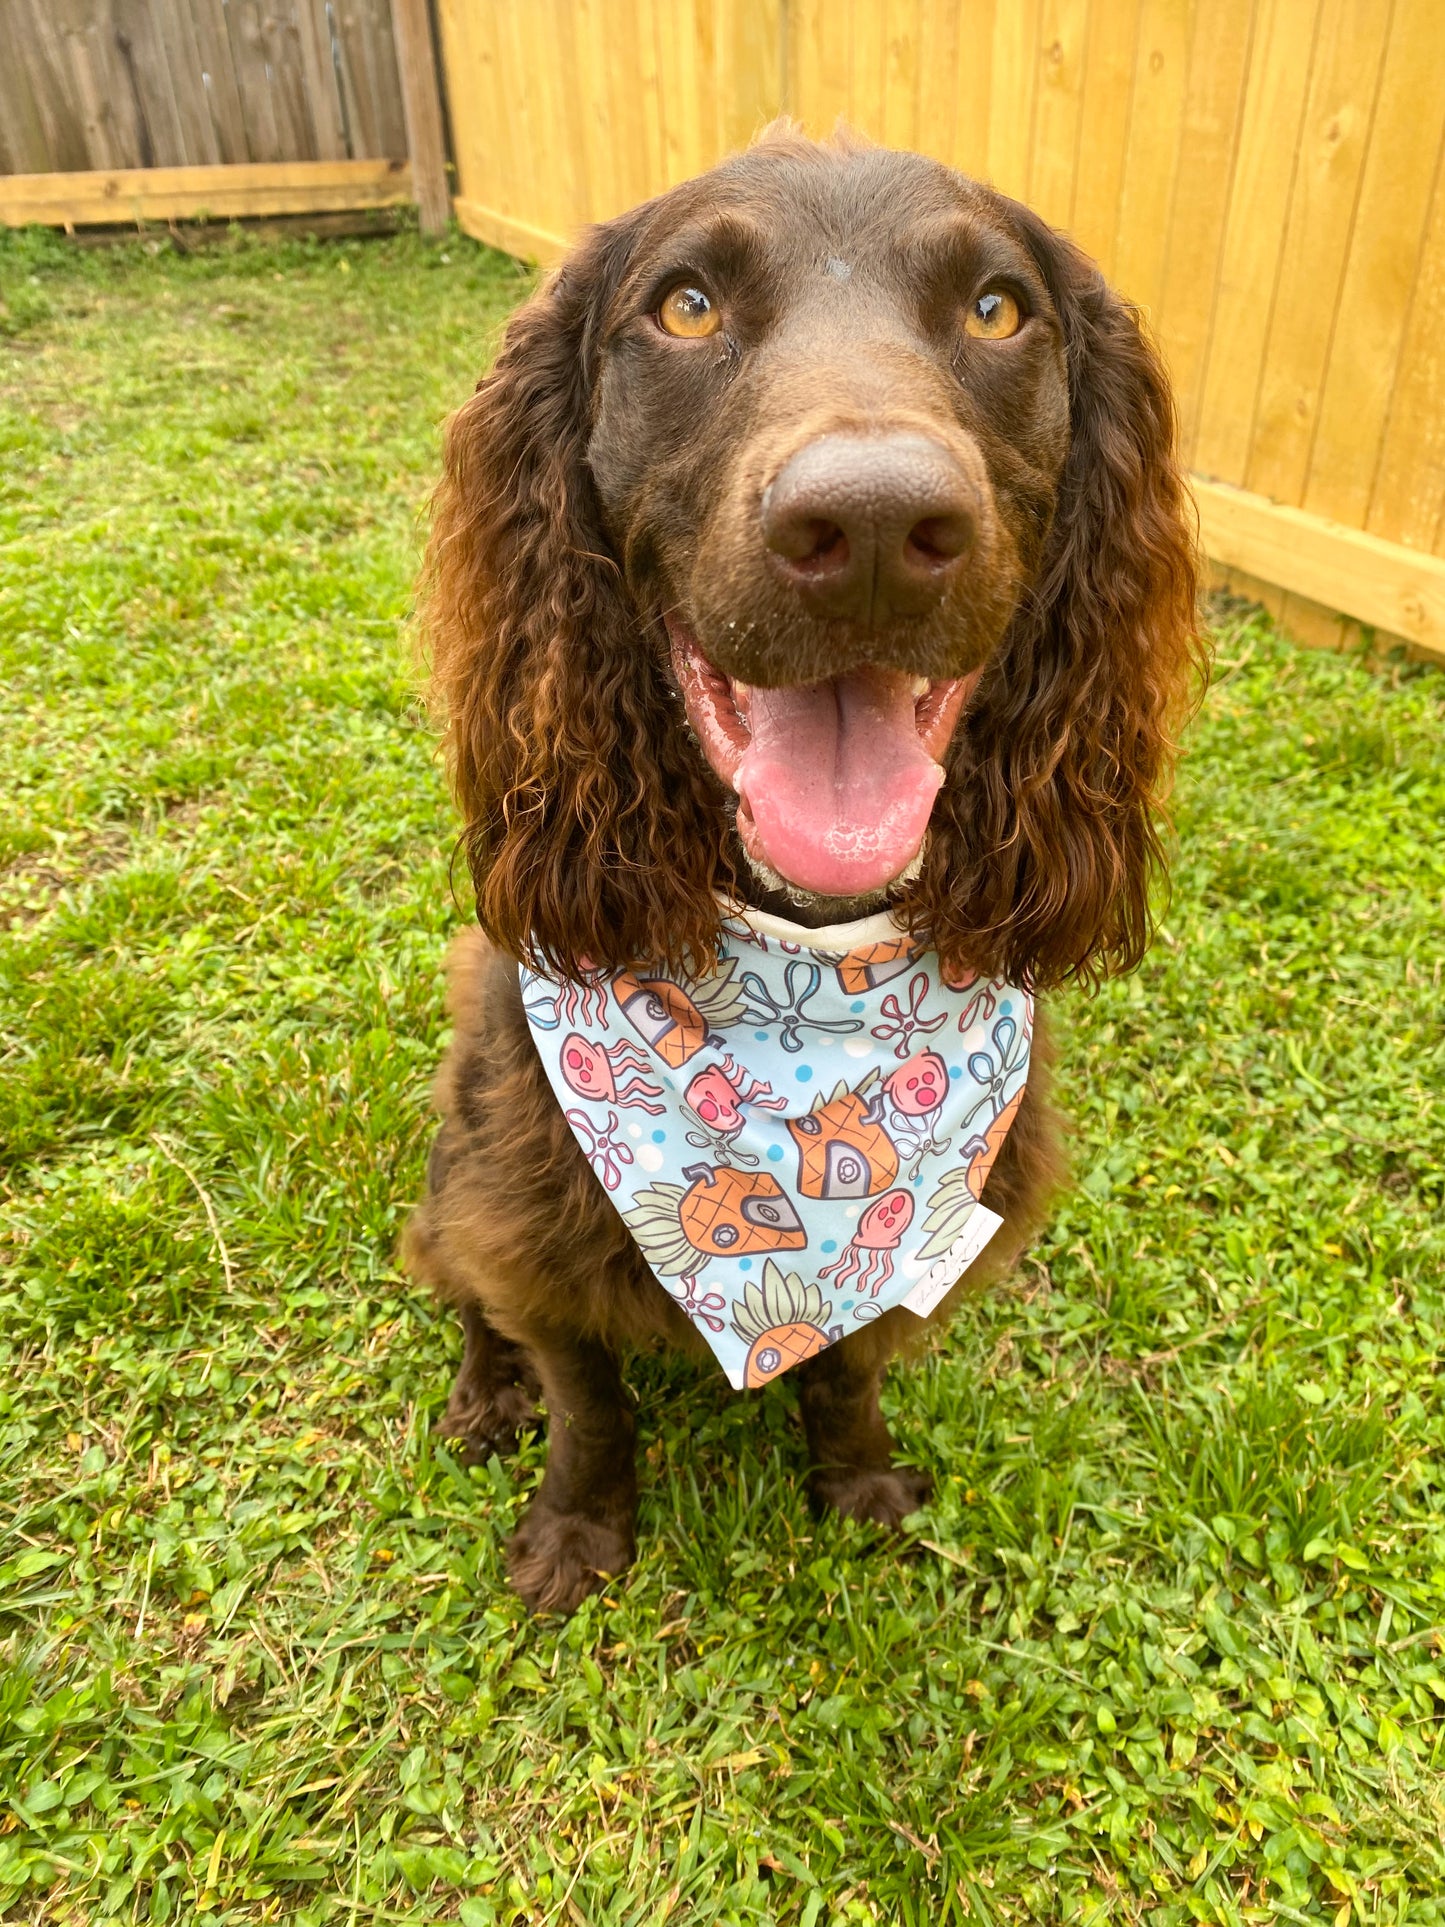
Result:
x=836 y=787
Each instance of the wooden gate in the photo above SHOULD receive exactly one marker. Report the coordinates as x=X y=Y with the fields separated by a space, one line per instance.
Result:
x=120 y=110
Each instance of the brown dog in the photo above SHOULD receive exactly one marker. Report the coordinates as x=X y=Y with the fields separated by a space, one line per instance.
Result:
x=833 y=449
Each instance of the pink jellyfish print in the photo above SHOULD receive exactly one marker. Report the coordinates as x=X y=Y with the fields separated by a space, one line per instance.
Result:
x=867 y=1263
x=587 y=1000
x=917 y=1087
x=611 y=1074
x=718 y=1093
x=916 y=1091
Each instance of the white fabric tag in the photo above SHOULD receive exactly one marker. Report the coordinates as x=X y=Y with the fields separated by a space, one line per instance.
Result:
x=941 y=1276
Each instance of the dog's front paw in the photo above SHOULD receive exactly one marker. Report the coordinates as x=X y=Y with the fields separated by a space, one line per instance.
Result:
x=555 y=1559
x=487 y=1422
x=884 y=1498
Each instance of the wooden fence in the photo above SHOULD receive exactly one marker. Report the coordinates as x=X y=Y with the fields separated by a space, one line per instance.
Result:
x=1262 y=176
x=114 y=110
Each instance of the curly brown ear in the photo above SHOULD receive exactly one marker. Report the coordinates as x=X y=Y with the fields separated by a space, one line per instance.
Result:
x=1048 y=843
x=592 y=839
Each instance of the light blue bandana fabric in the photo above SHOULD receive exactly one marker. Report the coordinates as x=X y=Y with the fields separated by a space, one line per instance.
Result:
x=797 y=1141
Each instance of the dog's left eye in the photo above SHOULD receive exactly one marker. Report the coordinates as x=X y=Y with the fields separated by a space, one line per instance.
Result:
x=994 y=316
x=688 y=312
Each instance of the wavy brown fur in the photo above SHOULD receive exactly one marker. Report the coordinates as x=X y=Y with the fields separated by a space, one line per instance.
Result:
x=591 y=829
x=1044 y=846
x=598 y=836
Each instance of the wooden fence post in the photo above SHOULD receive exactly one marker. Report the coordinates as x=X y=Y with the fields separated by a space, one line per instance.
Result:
x=421 y=100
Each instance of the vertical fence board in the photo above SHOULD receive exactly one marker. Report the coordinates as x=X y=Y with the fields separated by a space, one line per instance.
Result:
x=819 y=62
x=674 y=32
x=750 y=73
x=544 y=156
x=1337 y=121
x=285 y=76
x=1054 y=164
x=179 y=46
x=139 y=37
x=1152 y=161
x=1014 y=73
x=248 y=60
x=642 y=75
x=1409 y=489
x=902 y=24
x=558 y=97
x=708 y=136
x=106 y=111
x=974 y=84
x=522 y=161
x=370 y=89
x=20 y=144
x=1209 y=128
x=53 y=126
x=628 y=106
x=1110 y=50
x=1250 y=267
x=938 y=43
x=1379 y=277
x=348 y=35
x=218 y=80
x=605 y=193
x=386 y=80
x=325 y=122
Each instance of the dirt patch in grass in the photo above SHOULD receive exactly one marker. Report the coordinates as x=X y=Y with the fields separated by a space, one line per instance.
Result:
x=32 y=882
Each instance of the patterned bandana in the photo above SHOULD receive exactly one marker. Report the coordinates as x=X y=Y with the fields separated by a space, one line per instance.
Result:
x=798 y=1140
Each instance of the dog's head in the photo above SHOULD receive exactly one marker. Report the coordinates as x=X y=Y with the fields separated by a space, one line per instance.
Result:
x=817 y=535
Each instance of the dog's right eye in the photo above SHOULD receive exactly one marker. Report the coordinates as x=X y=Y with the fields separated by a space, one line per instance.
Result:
x=686 y=311
x=994 y=316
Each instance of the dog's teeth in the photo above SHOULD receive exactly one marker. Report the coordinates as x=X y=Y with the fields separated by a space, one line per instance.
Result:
x=920 y=686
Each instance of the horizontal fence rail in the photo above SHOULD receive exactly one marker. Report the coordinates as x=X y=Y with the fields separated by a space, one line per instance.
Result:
x=1262 y=177
x=196 y=193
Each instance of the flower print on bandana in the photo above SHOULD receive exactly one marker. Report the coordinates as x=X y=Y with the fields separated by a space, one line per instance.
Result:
x=902 y=1025
x=798 y=1140
x=606 y=1152
x=788 y=1010
x=704 y=1308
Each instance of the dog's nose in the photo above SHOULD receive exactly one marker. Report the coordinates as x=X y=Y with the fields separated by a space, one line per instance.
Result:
x=868 y=527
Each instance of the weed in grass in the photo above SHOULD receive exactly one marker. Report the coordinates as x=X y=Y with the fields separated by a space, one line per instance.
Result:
x=1167 y=1645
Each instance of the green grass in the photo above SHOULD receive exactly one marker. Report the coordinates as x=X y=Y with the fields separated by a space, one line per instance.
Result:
x=1168 y=1645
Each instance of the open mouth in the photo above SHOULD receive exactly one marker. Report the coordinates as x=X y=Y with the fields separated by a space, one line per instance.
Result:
x=835 y=780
